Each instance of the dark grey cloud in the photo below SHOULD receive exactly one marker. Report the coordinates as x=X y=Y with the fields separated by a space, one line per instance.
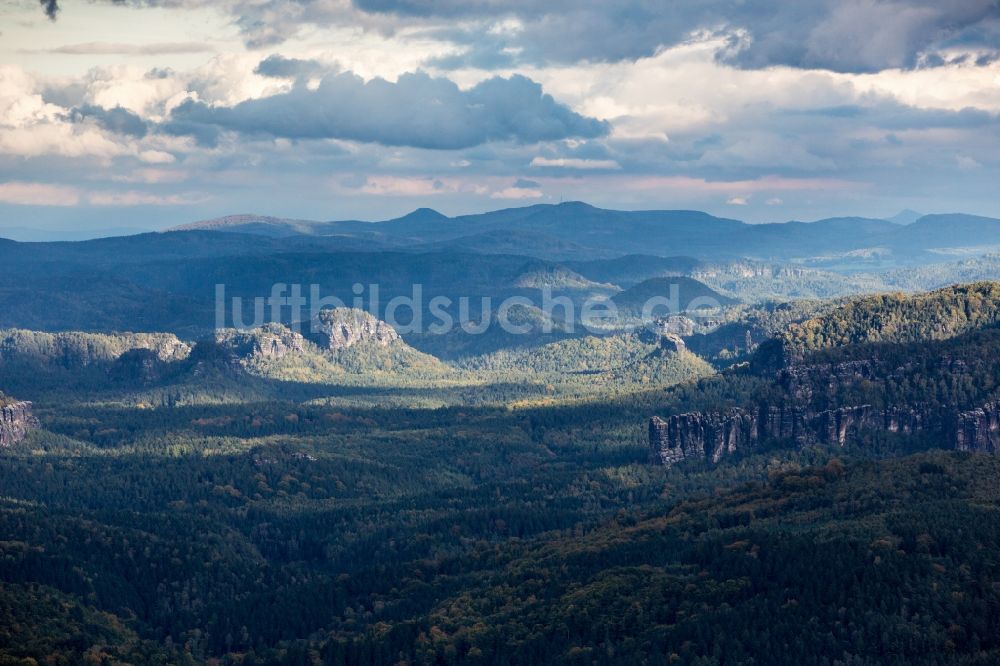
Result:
x=840 y=35
x=50 y=7
x=118 y=120
x=417 y=110
x=278 y=66
x=525 y=184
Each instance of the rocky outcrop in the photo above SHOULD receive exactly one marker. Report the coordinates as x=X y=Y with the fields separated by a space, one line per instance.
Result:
x=270 y=342
x=674 y=325
x=801 y=419
x=711 y=436
x=979 y=429
x=340 y=328
x=16 y=419
x=701 y=436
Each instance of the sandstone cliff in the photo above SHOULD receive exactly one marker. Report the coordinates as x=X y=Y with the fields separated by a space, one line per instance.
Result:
x=16 y=420
x=269 y=342
x=712 y=436
x=341 y=328
x=979 y=429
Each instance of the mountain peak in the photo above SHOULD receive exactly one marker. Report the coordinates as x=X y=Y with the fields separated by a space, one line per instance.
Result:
x=425 y=215
x=905 y=216
x=575 y=205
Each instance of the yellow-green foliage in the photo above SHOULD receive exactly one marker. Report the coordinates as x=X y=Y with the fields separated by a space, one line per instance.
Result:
x=936 y=315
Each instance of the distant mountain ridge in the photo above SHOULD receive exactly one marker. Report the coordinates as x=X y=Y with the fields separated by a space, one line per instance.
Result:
x=579 y=231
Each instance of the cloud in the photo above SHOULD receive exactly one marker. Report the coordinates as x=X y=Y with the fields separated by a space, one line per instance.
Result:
x=44 y=194
x=573 y=163
x=521 y=189
x=417 y=110
x=156 y=157
x=278 y=66
x=50 y=7
x=737 y=201
x=151 y=176
x=708 y=116
x=134 y=198
x=114 y=48
x=38 y=194
x=839 y=35
x=966 y=162
x=517 y=193
x=394 y=186
x=746 y=187
x=117 y=120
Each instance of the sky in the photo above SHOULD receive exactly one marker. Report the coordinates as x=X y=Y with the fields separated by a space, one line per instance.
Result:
x=143 y=114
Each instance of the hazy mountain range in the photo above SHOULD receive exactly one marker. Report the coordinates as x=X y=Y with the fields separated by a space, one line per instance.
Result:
x=576 y=230
x=165 y=281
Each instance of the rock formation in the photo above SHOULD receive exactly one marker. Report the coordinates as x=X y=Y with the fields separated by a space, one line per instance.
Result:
x=16 y=420
x=713 y=435
x=673 y=325
x=979 y=429
x=270 y=342
x=339 y=328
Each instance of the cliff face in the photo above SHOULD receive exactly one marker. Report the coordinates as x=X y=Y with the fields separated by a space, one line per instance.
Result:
x=16 y=420
x=713 y=435
x=979 y=429
x=341 y=328
x=271 y=341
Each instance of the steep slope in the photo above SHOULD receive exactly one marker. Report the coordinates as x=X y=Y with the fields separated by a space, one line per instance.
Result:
x=898 y=318
x=16 y=420
x=925 y=368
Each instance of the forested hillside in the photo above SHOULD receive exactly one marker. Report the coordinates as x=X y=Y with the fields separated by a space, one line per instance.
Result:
x=936 y=315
